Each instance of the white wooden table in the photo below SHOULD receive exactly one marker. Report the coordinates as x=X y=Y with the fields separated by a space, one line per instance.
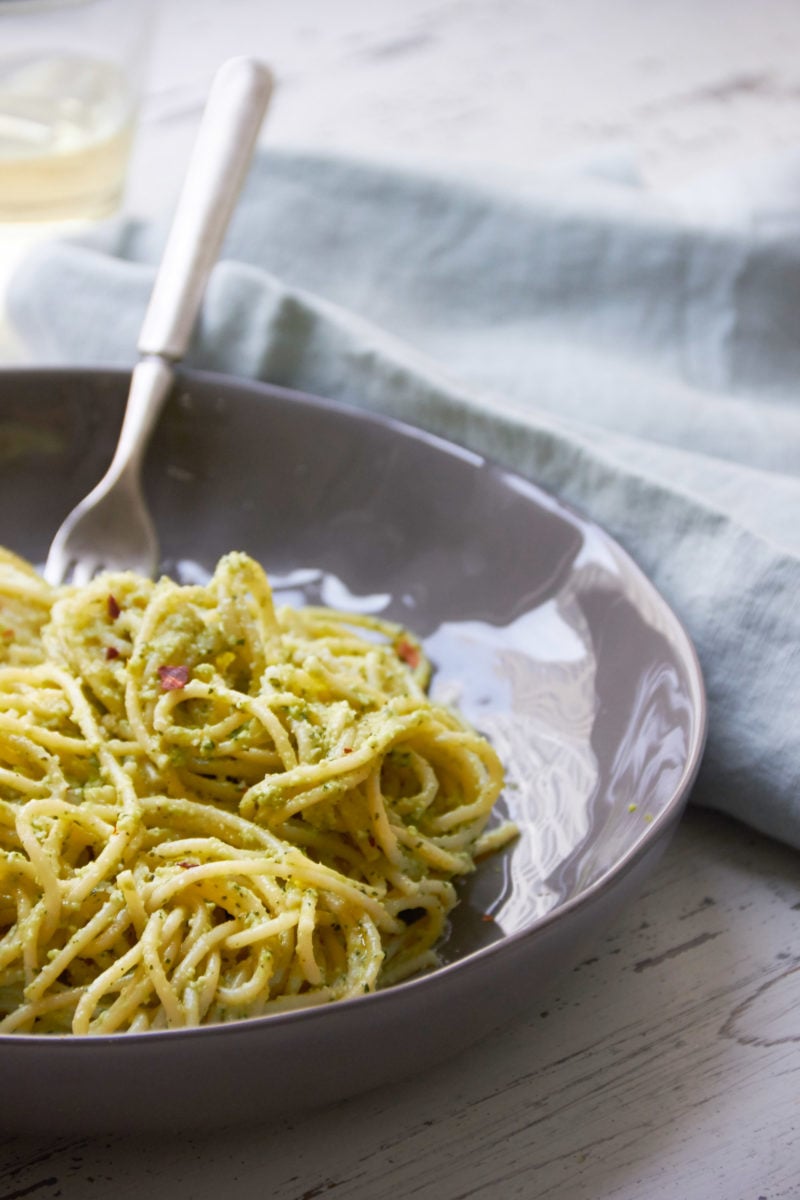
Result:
x=667 y=1065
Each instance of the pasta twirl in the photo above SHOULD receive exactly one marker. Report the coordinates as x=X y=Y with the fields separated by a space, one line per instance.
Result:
x=213 y=809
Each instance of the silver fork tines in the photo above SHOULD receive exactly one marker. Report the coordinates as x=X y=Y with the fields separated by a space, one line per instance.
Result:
x=111 y=529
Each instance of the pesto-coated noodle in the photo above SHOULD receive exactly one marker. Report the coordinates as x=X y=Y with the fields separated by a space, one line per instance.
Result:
x=213 y=809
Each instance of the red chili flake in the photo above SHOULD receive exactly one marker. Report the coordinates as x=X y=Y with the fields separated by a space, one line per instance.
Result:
x=408 y=653
x=112 y=652
x=113 y=608
x=173 y=678
x=187 y=865
x=347 y=750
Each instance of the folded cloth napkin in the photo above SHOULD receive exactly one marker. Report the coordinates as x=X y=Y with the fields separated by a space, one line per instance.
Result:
x=638 y=356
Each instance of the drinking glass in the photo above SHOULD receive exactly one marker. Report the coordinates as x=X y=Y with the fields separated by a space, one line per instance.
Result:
x=70 y=78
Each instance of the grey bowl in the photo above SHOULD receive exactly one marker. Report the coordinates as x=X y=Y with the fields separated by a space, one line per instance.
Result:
x=542 y=630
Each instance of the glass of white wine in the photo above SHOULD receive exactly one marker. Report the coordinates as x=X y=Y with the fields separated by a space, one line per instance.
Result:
x=70 y=76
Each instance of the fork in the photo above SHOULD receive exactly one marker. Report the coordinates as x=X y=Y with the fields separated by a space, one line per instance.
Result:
x=111 y=529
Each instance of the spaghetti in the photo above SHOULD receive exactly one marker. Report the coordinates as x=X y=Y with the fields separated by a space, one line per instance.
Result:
x=212 y=808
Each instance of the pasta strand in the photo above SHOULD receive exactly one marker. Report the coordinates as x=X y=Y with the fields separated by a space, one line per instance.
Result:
x=212 y=808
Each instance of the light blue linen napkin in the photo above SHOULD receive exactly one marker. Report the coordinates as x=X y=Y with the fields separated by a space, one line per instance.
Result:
x=639 y=357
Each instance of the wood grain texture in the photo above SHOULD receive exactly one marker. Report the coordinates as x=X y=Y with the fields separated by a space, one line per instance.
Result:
x=504 y=84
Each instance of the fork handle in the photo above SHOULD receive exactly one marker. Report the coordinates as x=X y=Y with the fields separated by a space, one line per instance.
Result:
x=228 y=132
x=151 y=383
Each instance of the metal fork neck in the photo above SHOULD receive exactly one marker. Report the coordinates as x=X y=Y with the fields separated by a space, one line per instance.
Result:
x=151 y=383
